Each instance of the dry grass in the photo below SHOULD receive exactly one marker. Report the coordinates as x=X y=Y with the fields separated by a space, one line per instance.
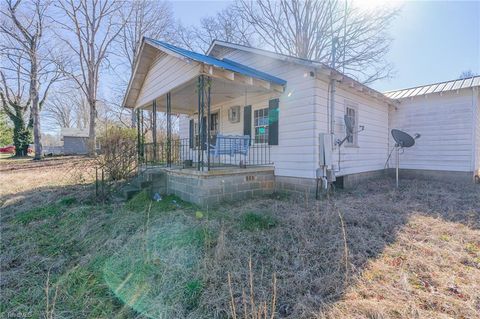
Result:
x=333 y=259
x=431 y=271
x=372 y=252
x=27 y=183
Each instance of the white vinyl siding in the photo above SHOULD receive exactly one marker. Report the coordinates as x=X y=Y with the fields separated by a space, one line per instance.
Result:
x=446 y=127
x=295 y=153
x=477 y=131
x=372 y=150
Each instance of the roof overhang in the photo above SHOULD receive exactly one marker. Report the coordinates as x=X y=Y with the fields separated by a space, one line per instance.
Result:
x=323 y=71
x=212 y=67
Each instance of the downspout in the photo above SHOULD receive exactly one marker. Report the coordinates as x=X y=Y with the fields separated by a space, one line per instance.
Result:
x=332 y=102
x=316 y=142
x=332 y=93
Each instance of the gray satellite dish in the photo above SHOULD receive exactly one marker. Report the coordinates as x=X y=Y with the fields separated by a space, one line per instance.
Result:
x=402 y=140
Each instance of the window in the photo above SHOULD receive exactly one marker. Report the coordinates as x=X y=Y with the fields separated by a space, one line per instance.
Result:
x=260 y=123
x=352 y=115
x=214 y=123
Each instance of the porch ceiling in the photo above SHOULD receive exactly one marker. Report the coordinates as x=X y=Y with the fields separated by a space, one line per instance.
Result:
x=184 y=99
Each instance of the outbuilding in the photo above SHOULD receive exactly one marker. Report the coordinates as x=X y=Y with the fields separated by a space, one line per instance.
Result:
x=75 y=141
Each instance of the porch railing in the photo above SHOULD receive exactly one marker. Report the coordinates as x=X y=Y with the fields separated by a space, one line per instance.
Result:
x=188 y=153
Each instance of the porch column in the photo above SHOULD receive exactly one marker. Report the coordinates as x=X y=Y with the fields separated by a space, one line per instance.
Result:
x=209 y=83
x=203 y=87
x=140 y=137
x=169 y=129
x=200 y=123
x=154 y=129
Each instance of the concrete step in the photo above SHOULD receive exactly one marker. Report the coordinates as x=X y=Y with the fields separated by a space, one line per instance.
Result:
x=130 y=191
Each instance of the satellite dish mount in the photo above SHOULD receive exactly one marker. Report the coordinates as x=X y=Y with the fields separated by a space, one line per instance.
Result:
x=402 y=140
x=350 y=128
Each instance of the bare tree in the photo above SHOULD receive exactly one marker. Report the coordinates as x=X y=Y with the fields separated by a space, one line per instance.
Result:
x=308 y=29
x=90 y=27
x=30 y=63
x=467 y=74
x=67 y=108
x=226 y=25
x=148 y=18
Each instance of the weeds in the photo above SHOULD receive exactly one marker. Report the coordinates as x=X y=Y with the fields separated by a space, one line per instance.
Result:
x=254 y=222
x=50 y=301
x=250 y=307
x=68 y=201
x=375 y=253
x=38 y=214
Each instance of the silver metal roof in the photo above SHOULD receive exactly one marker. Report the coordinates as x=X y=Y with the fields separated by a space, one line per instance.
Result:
x=435 y=88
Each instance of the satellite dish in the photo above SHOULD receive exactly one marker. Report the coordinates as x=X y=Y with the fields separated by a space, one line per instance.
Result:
x=403 y=139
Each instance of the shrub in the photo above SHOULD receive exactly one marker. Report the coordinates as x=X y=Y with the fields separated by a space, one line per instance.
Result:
x=118 y=156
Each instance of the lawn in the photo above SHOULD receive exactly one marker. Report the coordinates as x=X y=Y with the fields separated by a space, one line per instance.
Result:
x=371 y=252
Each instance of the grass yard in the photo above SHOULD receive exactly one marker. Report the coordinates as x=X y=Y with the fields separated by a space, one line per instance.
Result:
x=372 y=252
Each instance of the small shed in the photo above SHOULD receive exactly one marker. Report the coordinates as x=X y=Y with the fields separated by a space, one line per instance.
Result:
x=75 y=141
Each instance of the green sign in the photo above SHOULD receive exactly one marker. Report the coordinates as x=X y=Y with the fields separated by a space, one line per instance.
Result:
x=261 y=130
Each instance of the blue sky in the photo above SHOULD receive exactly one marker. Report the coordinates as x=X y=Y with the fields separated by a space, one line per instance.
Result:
x=433 y=41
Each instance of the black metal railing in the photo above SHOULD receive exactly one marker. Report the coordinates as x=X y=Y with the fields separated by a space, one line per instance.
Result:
x=224 y=151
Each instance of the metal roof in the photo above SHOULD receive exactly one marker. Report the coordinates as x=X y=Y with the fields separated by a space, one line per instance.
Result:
x=224 y=64
x=435 y=88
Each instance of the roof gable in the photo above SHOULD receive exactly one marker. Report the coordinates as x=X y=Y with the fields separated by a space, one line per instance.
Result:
x=146 y=56
x=224 y=64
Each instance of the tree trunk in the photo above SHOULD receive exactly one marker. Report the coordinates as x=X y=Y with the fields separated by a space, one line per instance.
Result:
x=36 y=130
x=35 y=103
x=21 y=131
x=92 y=137
x=21 y=138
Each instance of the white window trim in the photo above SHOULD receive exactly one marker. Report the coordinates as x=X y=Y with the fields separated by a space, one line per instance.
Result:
x=253 y=137
x=354 y=106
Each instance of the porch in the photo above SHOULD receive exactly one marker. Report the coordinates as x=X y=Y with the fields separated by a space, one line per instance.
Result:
x=224 y=152
x=182 y=83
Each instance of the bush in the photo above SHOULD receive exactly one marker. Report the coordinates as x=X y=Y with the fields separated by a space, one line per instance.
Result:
x=118 y=156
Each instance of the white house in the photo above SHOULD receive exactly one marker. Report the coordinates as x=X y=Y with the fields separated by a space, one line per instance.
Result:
x=293 y=111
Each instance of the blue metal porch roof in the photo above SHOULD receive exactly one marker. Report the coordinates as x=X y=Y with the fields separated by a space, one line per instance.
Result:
x=224 y=64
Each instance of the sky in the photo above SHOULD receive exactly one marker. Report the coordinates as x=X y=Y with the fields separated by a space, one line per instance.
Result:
x=433 y=41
